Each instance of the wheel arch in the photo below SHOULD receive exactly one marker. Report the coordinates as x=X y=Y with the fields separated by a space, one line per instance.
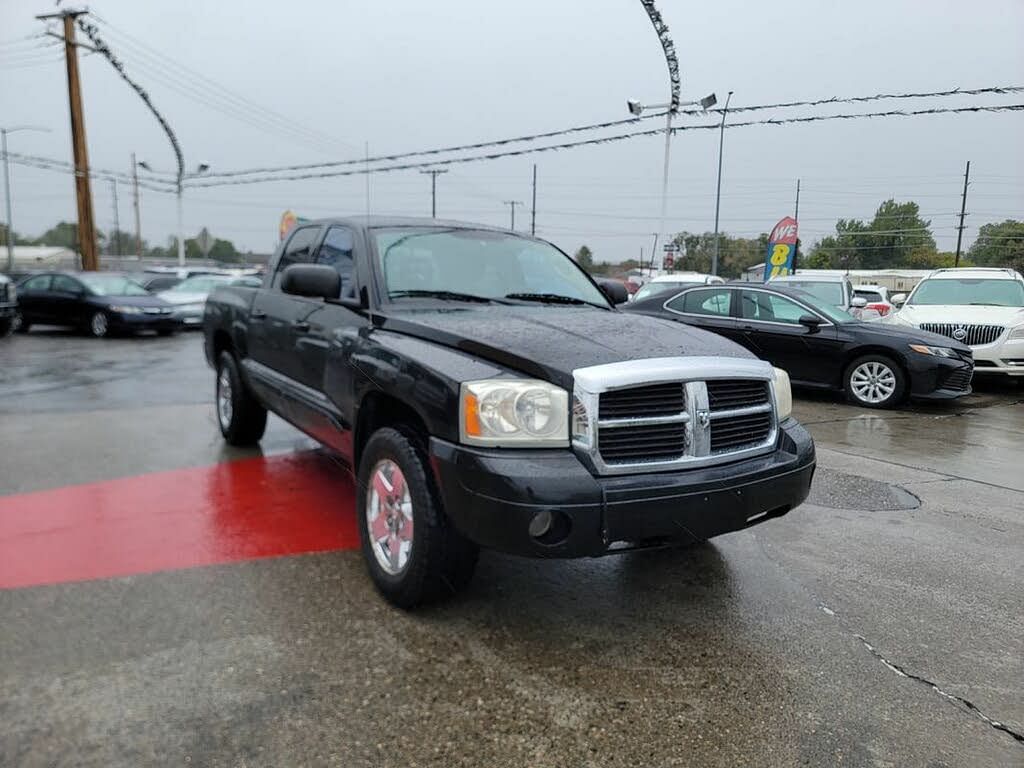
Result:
x=379 y=409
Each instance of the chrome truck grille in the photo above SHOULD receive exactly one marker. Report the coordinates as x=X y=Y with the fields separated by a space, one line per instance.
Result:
x=971 y=335
x=669 y=413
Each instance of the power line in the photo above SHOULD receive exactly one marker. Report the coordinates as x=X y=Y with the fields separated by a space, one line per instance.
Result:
x=604 y=125
x=48 y=164
x=220 y=97
x=603 y=140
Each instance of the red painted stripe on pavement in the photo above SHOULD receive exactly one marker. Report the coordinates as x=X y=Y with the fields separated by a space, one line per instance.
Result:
x=238 y=510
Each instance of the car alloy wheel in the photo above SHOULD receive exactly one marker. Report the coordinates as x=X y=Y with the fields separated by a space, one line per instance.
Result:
x=225 y=406
x=98 y=324
x=873 y=382
x=389 y=517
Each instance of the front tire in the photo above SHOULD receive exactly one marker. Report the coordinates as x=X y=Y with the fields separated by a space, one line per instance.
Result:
x=874 y=381
x=241 y=418
x=99 y=325
x=412 y=552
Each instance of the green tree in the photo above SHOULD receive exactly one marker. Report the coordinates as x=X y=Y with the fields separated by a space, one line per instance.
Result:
x=18 y=239
x=896 y=236
x=64 y=234
x=585 y=257
x=999 y=245
x=735 y=254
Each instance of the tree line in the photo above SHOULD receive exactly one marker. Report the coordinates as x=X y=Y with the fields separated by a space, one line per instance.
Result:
x=896 y=237
x=64 y=234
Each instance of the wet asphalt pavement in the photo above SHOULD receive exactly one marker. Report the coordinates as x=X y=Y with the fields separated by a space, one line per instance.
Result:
x=879 y=624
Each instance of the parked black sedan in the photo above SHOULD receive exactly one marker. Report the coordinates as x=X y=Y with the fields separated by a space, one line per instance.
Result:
x=95 y=302
x=876 y=365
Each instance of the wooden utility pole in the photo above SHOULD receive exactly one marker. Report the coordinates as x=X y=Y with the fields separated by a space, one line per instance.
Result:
x=434 y=173
x=963 y=212
x=512 y=204
x=83 y=189
x=117 y=220
x=135 y=191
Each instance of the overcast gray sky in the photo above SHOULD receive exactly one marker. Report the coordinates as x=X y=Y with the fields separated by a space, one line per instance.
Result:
x=408 y=75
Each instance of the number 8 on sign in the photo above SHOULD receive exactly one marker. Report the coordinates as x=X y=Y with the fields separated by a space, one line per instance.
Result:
x=779 y=259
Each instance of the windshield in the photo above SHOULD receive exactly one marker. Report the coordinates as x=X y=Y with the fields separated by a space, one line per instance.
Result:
x=823 y=307
x=112 y=285
x=984 y=291
x=477 y=263
x=653 y=289
x=866 y=294
x=201 y=283
x=826 y=291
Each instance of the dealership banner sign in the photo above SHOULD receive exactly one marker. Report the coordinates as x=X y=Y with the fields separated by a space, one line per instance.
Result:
x=781 y=249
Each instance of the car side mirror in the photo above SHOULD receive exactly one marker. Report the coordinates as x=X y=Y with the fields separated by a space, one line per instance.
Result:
x=315 y=281
x=898 y=300
x=810 y=322
x=614 y=290
x=859 y=302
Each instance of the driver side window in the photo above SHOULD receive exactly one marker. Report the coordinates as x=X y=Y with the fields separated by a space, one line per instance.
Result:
x=299 y=250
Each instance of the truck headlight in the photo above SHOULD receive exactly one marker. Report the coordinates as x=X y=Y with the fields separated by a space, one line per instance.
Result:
x=513 y=412
x=783 y=394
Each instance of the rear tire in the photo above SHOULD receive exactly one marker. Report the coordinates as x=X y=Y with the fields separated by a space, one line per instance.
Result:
x=7 y=326
x=21 y=325
x=875 y=381
x=412 y=552
x=241 y=418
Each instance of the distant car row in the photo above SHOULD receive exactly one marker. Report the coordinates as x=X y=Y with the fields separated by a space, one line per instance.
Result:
x=101 y=303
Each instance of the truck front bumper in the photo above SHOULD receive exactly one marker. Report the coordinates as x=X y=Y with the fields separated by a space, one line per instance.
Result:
x=493 y=497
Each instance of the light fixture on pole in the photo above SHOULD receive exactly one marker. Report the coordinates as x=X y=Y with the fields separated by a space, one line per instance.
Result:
x=7 y=185
x=637 y=109
x=718 y=188
x=179 y=189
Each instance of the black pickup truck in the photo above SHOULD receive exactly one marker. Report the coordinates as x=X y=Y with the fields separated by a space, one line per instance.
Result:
x=487 y=392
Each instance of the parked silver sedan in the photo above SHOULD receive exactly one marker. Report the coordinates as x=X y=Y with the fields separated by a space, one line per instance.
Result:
x=189 y=296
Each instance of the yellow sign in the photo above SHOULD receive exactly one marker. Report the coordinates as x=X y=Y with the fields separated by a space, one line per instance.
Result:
x=288 y=221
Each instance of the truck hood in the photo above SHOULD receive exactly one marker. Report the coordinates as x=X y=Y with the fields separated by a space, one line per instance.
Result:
x=956 y=313
x=550 y=342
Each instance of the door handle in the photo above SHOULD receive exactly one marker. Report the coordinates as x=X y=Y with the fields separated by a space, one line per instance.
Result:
x=257 y=314
x=301 y=327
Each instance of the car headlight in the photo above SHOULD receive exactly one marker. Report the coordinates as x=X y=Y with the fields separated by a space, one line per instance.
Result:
x=513 y=412
x=924 y=349
x=1016 y=333
x=126 y=310
x=783 y=394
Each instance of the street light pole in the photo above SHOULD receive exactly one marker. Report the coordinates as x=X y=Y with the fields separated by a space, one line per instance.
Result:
x=179 y=188
x=636 y=108
x=718 y=189
x=7 y=186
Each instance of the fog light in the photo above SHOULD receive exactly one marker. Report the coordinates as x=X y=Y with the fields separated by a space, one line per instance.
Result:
x=541 y=524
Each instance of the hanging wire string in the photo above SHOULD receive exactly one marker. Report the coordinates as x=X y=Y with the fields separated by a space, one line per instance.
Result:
x=661 y=29
x=92 y=32
x=49 y=164
x=604 y=140
x=213 y=182
x=1000 y=90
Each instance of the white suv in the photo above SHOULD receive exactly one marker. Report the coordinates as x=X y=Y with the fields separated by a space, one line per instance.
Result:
x=981 y=307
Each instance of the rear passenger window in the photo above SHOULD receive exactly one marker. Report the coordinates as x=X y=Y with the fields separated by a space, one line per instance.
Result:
x=713 y=301
x=298 y=251
x=336 y=252
x=40 y=283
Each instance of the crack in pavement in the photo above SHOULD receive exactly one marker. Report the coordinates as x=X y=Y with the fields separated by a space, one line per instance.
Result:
x=951 y=696
x=846 y=629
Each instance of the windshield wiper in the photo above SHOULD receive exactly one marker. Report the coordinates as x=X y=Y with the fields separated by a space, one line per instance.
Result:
x=551 y=298
x=447 y=295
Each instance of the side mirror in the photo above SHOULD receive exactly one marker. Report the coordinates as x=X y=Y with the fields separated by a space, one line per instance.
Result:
x=315 y=281
x=614 y=290
x=898 y=300
x=810 y=322
x=859 y=302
